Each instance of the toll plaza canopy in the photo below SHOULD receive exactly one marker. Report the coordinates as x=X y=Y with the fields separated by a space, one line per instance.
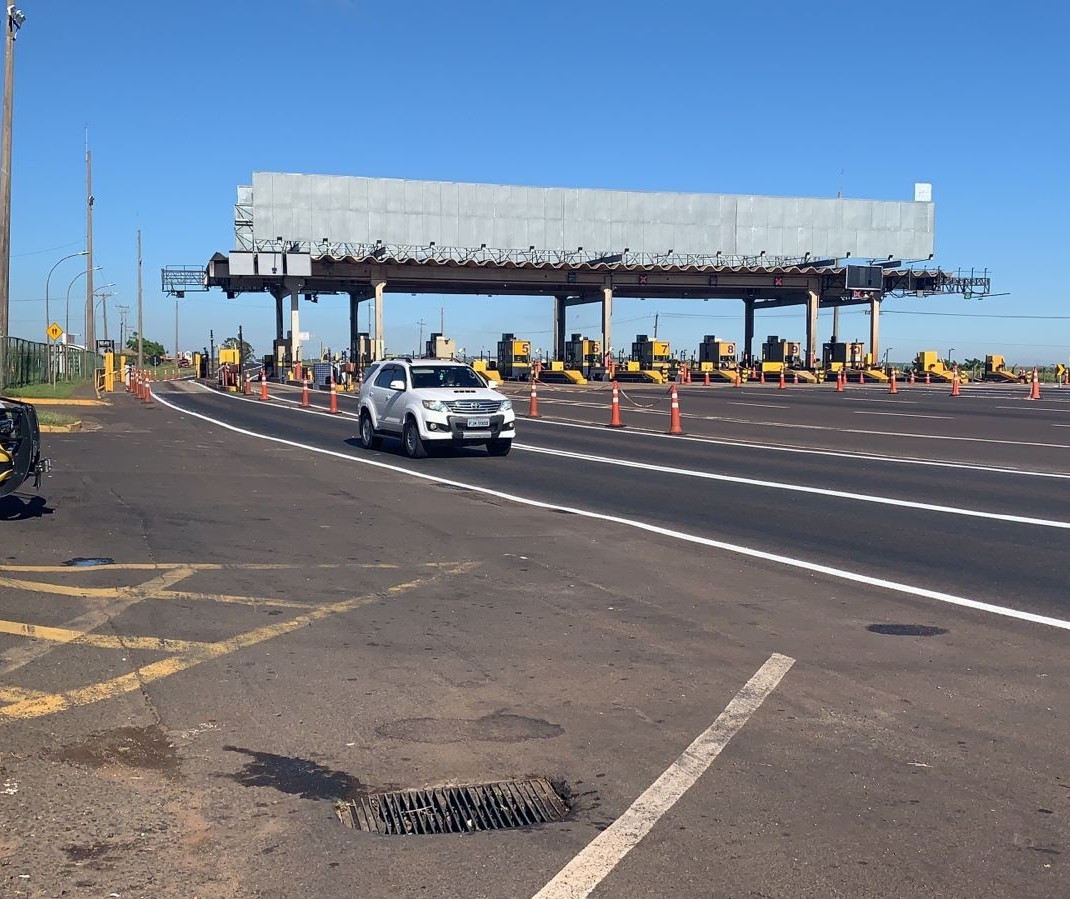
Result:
x=316 y=234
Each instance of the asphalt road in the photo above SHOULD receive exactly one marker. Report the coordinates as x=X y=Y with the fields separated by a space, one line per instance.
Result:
x=292 y=621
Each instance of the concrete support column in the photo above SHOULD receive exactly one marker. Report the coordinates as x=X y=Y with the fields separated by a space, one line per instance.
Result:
x=354 y=325
x=874 y=329
x=295 y=326
x=607 y=319
x=560 y=305
x=813 y=306
x=379 y=346
x=280 y=331
x=748 y=329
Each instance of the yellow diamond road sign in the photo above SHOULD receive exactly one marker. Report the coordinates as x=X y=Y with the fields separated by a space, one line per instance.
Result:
x=54 y=331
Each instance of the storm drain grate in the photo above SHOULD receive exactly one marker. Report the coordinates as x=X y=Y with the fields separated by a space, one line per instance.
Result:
x=464 y=809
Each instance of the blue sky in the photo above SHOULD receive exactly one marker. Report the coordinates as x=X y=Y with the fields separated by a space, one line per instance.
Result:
x=183 y=101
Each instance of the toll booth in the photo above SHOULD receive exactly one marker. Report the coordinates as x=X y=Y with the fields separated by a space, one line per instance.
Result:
x=836 y=356
x=439 y=347
x=780 y=355
x=652 y=355
x=715 y=354
x=282 y=358
x=583 y=355
x=514 y=358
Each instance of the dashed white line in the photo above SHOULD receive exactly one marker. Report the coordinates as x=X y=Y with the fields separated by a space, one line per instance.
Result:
x=904 y=415
x=589 y=868
x=738 y=549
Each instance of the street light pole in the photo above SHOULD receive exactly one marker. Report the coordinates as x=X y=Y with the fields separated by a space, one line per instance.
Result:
x=949 y=352
x=48 y=314
x=67 y=315
x=14 y=21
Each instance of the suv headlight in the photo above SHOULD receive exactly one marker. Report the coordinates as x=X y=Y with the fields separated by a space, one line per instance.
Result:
x=435 y=405
x=506 y=406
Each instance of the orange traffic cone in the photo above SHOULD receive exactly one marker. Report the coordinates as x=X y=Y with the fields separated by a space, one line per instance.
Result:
x=1034 y=390
x=891 y=387
x=861 y=377
x=910 y=380
x=955 y=383
x=148 y=388
x=706 y=380
x=795 y=378
x=840 y=380
x=304 y=393
x=928 y=378
x=533 y=402
x=761 y=376
x=783 y=384
x=739 y=377
x=263 y=385
x=614 y=414
x=674 y=415
x=334 y=396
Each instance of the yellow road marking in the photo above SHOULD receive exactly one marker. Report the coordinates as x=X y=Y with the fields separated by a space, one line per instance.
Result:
x=19 y=694
x=60 y=589
x=211 y=566
x=101 y=641
x=127 y=683
x=230 y=598
x=91 y=620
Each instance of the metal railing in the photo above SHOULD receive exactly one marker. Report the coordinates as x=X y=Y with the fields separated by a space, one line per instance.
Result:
x=24 y=363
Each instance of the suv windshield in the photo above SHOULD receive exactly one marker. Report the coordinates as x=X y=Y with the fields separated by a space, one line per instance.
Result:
x=424 y=376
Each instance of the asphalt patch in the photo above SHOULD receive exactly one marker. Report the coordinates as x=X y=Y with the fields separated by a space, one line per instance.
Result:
x=907 y=630
x=145 y=748
x=496 y=728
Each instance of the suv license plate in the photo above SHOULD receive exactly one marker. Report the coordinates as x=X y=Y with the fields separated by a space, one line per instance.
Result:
x=474 y=423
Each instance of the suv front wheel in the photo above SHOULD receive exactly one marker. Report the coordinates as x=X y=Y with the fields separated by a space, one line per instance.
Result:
x=368 y=438
x=499 y=447
x=412 y=441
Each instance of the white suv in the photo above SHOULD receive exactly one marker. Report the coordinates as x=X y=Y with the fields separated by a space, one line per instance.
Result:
x=433 y=401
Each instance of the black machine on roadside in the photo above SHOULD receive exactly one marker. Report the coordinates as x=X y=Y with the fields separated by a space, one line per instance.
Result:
x=20 y=446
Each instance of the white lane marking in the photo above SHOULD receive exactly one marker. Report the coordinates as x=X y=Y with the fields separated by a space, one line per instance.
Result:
x=256 y=401
x=589 y=868
x=904 y=415
x=1032 y=408
x=795 y=488
x=759 y=405
x=788 y=561
x=770 y=447
x=862 y=399
x=804 y=427
x=860 y=456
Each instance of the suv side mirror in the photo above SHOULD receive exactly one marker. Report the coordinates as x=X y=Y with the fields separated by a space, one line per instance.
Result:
x=397 y=385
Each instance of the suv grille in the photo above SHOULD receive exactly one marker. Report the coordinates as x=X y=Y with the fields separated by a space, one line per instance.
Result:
x=469 y=406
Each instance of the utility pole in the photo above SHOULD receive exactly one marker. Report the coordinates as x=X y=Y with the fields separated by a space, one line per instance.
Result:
x=15 y=18
x=140 y=332
x=123 y=310
x=176 y=330
x=241 y=352
x=656 y=314
x=90 y=312
x=420 y=342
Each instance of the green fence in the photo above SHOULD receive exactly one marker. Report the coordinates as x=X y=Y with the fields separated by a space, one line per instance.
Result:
x=25 y=362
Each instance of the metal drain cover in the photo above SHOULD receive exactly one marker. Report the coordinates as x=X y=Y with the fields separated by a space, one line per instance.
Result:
x=464 y=809
x=907 y=630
